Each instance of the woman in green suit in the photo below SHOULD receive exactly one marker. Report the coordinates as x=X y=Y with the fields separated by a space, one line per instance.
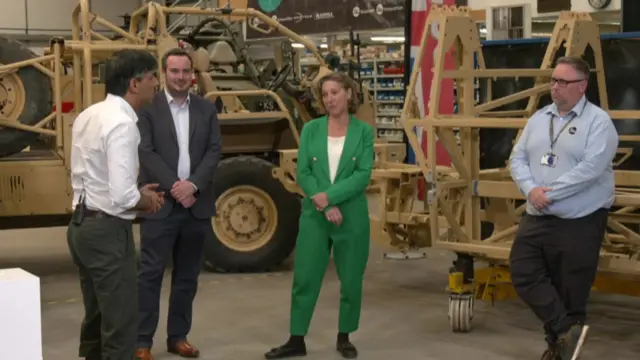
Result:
x=335 y=161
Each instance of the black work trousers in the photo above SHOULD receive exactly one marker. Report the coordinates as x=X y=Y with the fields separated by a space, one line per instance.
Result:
x=553 y=264
x=104 y=252
x=179 y=237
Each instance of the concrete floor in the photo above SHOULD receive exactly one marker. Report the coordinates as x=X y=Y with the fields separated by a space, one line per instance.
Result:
x=404 y=312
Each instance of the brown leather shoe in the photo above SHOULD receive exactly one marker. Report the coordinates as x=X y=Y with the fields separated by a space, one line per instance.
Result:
x=184 y=348
x=143 y=354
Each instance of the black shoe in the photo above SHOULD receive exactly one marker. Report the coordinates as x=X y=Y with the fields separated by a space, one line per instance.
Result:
x=347 y=350
x=551 y=354
x=570 y=344
x=286 y=351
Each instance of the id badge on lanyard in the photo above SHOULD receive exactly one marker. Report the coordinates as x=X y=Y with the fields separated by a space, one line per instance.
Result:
x=549 y=158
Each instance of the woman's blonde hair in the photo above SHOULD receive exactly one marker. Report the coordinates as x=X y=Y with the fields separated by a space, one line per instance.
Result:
x=347 y=84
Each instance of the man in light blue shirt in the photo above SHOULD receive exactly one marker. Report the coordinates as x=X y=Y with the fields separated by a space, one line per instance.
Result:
x=563 y=164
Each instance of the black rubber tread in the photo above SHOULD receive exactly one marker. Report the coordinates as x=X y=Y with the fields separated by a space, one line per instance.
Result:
x=253 y=171
x=38 y=97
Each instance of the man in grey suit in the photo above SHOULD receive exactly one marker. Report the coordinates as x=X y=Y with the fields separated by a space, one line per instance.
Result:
x=180 y=149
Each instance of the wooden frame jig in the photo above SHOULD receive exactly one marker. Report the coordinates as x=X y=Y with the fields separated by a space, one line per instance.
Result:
x=452 y=216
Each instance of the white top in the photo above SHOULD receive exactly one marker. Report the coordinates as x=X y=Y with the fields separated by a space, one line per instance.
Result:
x=104 y=157
x=180 y=114
x=334 y=147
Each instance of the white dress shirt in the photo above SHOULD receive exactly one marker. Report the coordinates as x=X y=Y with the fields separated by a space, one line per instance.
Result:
x=180 y=114
x=104 y=157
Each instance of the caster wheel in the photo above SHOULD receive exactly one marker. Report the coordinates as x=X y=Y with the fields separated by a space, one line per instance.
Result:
x=461 y=312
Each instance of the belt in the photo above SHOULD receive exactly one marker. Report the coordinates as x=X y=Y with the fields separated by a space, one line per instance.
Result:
x=98 y=214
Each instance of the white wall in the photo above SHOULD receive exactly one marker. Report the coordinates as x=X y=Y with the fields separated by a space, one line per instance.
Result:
x=583 y=5
x=53 y=17
x=576 y=5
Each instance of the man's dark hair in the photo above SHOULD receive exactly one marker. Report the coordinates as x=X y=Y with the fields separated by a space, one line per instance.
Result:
x=126 y=65
x=577 y=63
x=175 y=52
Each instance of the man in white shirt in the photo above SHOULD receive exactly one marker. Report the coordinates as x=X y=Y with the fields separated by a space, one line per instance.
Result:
x=104 y=169
x=180 y=149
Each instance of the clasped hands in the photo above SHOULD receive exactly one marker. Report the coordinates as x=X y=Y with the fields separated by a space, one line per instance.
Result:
x=155 y=198
x=183 y=191
x=538 y=197
x=333 y=215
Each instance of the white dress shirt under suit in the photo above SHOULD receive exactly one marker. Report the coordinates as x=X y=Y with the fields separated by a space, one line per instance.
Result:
x=180 y=114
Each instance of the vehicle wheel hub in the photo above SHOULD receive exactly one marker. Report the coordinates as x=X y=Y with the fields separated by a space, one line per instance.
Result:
x=246 y=218
x=11 y=96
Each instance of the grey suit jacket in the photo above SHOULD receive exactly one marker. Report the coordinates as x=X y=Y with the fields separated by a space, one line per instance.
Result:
x=158 y=152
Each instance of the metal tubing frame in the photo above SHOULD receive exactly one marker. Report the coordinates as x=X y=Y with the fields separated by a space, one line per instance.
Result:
x=86 y=43
x=283 y=114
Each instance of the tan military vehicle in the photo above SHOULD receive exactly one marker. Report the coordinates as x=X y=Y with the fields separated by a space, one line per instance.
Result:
x=258 y=204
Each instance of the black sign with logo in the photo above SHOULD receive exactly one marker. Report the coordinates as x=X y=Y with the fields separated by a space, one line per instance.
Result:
x=307 y=17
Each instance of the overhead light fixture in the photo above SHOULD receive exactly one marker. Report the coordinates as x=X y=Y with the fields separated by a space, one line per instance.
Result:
x=297 y=45
x=324 y=46
x=388 y=38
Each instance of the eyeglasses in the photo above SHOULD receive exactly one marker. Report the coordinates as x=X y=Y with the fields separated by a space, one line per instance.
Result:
x=563 y=82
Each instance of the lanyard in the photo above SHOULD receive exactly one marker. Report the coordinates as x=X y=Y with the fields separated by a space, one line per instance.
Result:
x=551 y=139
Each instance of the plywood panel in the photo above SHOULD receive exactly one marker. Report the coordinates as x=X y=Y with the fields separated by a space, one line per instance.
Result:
x=479 y=15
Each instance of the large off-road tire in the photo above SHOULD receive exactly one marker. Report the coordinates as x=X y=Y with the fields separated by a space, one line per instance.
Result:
x=25 y=96
x=256 y=224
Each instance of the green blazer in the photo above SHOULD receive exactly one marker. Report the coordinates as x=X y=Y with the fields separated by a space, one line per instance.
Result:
x=352 y=178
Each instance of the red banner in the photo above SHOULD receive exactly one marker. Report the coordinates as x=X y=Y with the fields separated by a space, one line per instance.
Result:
x=420 y=12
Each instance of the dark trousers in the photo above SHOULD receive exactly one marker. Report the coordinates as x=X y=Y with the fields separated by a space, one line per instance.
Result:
x=104 y=252
x=181 y=237
x=553 y=266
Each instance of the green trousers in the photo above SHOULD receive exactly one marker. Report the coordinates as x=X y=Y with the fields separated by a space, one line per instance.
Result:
x=313 y=249
x=104 y=252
